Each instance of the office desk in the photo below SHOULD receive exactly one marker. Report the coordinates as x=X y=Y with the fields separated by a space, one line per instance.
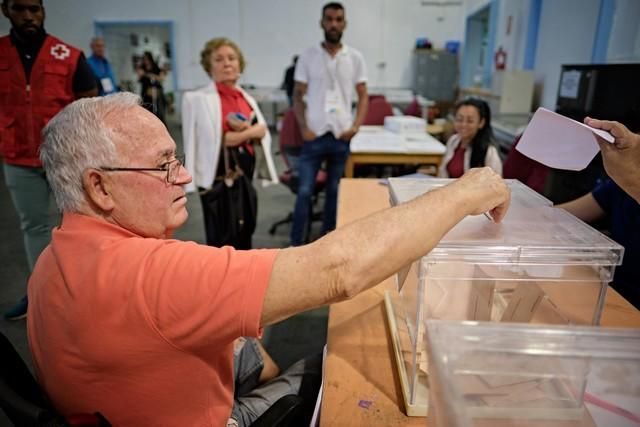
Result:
x=361 y=387
x=375 y=145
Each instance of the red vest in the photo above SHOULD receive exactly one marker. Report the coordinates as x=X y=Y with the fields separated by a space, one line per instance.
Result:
x=26 y=108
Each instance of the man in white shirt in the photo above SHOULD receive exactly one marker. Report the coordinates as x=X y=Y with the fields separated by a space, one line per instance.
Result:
x=327 y=75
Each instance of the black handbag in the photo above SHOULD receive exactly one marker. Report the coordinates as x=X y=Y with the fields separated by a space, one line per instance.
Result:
x=230 y=207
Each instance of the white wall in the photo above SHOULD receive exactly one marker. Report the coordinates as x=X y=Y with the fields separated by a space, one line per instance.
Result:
x=402 y=22
x=624 y=41
x=565 y=36
x=270 y=32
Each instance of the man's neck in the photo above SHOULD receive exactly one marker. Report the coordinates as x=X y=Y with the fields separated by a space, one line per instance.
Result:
x=332 y=48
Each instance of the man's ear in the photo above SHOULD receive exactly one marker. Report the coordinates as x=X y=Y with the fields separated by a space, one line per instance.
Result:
x=97 y=190
x=5 y=11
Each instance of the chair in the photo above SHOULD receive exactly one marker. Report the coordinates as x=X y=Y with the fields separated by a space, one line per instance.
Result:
x=413 y=109
x=290 y=143
x=25 y=404
x=528 y=171
x=284 y=413
x=378 y=109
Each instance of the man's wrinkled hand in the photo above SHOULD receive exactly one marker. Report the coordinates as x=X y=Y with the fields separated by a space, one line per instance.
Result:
x=485 y=192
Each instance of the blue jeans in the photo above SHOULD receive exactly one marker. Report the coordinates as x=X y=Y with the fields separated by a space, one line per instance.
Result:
x=335 y=152
x=33 y=201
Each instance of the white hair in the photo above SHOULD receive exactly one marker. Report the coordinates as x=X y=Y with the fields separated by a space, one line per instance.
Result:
x=76 y=139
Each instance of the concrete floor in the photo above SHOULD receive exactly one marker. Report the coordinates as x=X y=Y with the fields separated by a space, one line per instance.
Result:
x=286 y=341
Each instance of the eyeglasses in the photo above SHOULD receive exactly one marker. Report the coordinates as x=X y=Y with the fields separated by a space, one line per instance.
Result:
x=172 y=167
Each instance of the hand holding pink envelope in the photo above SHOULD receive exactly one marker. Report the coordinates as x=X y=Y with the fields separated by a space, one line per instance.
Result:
x=560 y=142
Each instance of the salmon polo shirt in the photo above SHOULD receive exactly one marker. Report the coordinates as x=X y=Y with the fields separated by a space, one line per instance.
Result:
x=141 y=329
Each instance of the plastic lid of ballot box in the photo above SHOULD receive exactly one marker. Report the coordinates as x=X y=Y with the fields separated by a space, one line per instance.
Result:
x=489 y=374
x=532 y=232
x=540 y=256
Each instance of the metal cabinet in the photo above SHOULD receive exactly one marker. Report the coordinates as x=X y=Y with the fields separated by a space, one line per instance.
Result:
x=436 y=74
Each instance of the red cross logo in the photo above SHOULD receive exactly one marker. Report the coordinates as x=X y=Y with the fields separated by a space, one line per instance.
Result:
x=60 y=51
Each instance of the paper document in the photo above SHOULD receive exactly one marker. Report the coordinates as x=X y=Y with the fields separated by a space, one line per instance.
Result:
x=376 y=139
x=560 y=142
x=315 y=419
x=380 y=142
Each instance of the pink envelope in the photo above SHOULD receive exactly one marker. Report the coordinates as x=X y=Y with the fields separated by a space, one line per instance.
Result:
x=560 y=142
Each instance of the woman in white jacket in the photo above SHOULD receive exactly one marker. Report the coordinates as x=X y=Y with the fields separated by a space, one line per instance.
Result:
x=220 y=115
x=473 y=144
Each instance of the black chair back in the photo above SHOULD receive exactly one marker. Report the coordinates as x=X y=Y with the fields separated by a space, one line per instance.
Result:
x=24 y=402
x=20 y=395
x=284 y=413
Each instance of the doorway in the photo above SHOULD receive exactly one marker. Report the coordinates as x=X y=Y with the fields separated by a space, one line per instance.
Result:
x=127 y=41
x=480 y=34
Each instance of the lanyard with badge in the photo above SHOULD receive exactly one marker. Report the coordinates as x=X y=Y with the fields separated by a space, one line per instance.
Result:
x=334 y=96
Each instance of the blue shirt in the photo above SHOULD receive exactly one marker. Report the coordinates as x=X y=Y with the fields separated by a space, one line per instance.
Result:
x=102 y=70
x=624 y=224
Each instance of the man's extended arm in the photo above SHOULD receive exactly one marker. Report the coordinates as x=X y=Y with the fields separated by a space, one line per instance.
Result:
x=362 y=254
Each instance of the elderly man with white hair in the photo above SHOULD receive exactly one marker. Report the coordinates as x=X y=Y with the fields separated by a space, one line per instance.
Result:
x=127 y=321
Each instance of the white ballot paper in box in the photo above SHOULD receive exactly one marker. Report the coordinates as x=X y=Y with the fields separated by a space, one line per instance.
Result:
x=560 y=142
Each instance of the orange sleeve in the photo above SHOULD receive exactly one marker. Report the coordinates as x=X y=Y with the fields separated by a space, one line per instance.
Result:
x=198 y=296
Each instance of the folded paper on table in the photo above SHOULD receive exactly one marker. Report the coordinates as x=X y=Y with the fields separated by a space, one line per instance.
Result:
x=560 y=142
x=376 y=139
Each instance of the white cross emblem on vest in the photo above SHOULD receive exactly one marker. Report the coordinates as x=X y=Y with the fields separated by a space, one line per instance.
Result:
x=60 y=51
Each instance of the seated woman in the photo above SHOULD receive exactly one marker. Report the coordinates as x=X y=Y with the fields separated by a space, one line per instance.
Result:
x=473 y=144
x=218 y=116
x=150 y=77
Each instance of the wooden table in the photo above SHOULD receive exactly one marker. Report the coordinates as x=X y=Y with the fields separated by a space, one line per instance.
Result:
x=367 y=148
x=361 y=386
x=389 y=159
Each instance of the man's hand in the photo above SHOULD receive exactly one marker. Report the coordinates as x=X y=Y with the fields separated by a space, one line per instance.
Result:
x=348 y=134
x=308 y=135
x=622 y=158
x=484 y=191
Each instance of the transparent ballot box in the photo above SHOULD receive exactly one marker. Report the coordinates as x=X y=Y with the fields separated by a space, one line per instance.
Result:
x=540 y=265
x=508 y=375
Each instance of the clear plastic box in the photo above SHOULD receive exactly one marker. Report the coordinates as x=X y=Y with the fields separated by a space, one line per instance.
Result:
x=508 y=375
x=540 y=265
